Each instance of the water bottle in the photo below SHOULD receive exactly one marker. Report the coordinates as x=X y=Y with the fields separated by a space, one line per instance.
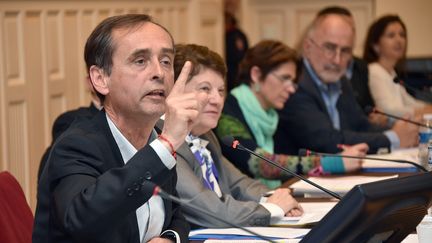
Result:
x=429 y=165
x=425 y=134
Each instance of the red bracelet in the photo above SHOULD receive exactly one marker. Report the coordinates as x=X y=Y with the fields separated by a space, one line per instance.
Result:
x=174 y=154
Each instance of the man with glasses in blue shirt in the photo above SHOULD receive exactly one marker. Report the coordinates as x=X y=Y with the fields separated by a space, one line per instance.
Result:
x=358 y=75
x=323 y=112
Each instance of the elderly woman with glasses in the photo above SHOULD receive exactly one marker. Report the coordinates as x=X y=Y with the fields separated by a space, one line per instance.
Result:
x=266 y=81
x=206 y=178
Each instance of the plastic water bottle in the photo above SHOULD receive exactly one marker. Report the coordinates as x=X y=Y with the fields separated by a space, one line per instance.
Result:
x=425 y=134
x=429 y=165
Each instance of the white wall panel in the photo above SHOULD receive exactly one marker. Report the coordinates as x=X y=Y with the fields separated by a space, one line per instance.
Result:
x=417 y=17
x=287 y=20
x=42 y=71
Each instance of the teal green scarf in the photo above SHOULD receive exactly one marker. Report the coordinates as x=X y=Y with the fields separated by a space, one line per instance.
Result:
x=262 y=123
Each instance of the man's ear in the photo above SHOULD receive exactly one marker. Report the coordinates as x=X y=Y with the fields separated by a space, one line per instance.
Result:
x=99 y=80
x=306 y=45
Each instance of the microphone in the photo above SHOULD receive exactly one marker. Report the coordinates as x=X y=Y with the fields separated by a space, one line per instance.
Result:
x=417 y=92
x=397 y=80
x=230 y=142
x=306 y=152
x=369 y=109
x=158 y=191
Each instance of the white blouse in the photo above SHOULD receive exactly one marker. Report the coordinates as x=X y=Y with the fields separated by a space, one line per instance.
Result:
x=390 y=97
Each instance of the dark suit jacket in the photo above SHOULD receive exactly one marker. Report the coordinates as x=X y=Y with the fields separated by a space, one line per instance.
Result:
x=62 y=123
x=64 y=120
x=360 y=83
x=305 y=122
x=88 y=194
x=236 y=45
x=232 y=113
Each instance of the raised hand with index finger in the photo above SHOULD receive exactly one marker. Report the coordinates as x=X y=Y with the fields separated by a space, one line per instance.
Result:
x=182 y=110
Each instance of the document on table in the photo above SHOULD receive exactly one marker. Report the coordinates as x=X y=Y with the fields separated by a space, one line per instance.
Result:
x=410 y=154
x=238 y=234
x=340 y=185
x=252 y=241
x=313 y=213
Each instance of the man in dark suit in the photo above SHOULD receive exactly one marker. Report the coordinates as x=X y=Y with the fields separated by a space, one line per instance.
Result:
x=357 y=72
x=323 y=112
x=95 y=186
x=236 y=45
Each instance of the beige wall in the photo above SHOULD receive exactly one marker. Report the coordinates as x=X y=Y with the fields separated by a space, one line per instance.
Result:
x=417 y=15
x=42 y=70
x=286 y=19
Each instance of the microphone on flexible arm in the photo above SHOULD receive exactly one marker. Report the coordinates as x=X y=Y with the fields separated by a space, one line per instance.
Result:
x=416 y=92
x=306 y=152
x=397 y=80
x=157 y=191
x=370 y=109
x=231 y=142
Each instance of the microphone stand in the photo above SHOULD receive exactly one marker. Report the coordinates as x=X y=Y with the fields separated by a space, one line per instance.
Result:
x=333 y=194
x=160 y=192
x=369 y=109
x=419 y=167
x=414 y=91
x=403 y=119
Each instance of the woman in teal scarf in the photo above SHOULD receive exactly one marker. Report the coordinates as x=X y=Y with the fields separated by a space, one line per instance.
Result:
x=266 y=80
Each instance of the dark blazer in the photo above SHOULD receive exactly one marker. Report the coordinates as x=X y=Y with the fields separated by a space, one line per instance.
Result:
x=236 y=45
x=305 y=122
x=360 y=83
x=63 y=122
x=233 y=117
x=87 y=194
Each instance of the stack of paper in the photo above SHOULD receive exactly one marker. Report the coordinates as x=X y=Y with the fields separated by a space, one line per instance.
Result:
x=232 y=234
x=252 y=241
x=313 y=213
x=340 y=185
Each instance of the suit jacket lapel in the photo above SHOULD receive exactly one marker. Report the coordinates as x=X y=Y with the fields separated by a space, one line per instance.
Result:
x=116 y=161
x=189 y=157
x=102 y=123
x=216 y=155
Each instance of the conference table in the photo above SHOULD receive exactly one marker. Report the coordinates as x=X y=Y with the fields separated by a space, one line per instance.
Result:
x=412 y=238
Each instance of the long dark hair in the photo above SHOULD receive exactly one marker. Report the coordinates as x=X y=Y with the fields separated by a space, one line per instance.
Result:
x=376 y=31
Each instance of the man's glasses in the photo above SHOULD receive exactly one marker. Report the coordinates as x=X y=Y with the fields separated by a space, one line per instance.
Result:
x=331 y=50
x=285 y=80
